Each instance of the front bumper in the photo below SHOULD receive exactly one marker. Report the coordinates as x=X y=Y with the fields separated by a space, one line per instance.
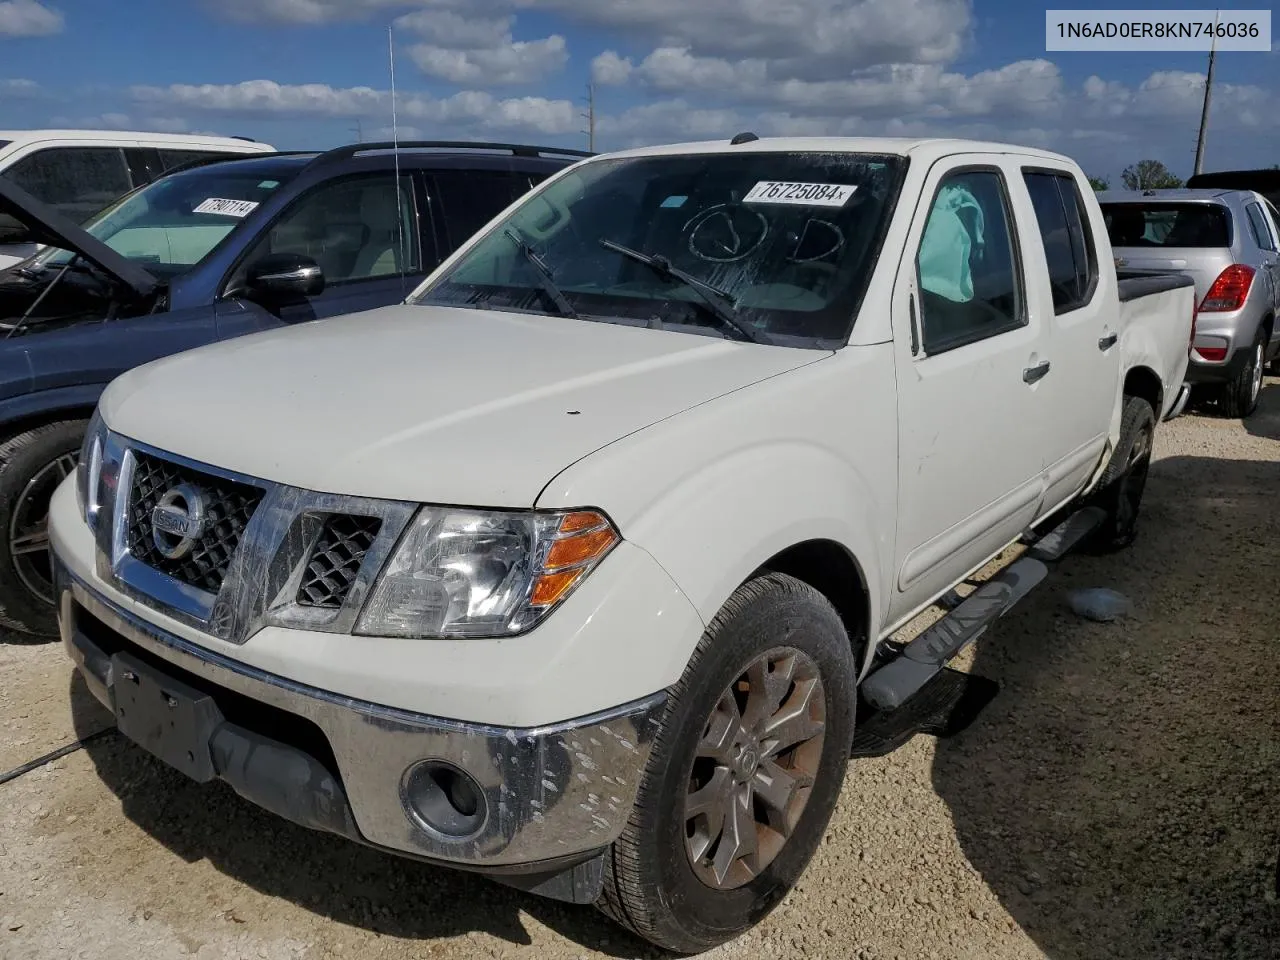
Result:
x=554 y=795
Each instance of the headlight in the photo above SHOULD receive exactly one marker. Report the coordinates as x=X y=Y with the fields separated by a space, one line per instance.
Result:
x=89 y=470
x=480 y=573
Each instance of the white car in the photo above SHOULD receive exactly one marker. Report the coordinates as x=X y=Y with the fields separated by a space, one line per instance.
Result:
x=573 y=568
x=79 y=172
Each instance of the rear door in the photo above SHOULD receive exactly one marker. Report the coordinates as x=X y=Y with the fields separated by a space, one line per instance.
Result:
x=366 y=235
x=1264 y=232
x=469 y=199
x=972 y=365
x=1079 y=309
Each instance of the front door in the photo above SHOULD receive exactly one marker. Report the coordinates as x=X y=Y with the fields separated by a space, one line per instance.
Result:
x=971 y=362
x=365 y=235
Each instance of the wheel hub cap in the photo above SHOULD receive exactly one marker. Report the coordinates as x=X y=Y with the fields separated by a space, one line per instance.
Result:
x=754 y=768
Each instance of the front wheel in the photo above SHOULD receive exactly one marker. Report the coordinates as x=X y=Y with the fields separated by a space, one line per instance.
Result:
x=1125 y=480
x=32 y=465
x=744 y=774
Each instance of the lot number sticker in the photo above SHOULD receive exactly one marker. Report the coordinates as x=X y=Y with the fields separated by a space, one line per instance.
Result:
x=227 y=208
x=800 y=194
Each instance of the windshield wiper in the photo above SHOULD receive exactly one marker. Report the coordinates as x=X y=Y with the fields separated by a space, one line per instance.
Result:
x=549 y=286
x=719 y=302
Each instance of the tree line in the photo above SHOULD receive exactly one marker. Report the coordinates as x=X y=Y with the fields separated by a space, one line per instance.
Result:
x=1145 y=175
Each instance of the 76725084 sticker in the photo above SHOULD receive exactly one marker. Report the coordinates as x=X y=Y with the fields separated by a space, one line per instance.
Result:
x=800 y=194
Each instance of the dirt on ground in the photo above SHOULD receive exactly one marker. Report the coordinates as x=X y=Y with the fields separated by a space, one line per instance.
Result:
x=1120 y=798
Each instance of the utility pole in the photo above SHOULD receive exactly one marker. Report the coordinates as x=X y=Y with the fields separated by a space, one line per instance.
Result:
x=590 y=117
x=1204 y=112
x=358 y=130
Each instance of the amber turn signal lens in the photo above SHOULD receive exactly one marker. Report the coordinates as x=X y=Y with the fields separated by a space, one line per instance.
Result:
x=552 y=586
x=582 y=520
x=576 y=550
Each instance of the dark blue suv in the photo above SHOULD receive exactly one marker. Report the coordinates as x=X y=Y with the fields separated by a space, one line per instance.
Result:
x=209 y=252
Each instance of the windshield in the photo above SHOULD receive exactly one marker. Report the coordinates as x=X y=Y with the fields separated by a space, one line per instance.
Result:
x=172 y=224
x=1184 y=225
x=789 y=239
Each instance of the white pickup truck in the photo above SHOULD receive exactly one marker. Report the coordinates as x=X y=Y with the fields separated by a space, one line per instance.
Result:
x=576 y=568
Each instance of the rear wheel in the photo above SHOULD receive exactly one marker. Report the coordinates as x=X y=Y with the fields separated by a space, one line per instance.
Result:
x=32 y=465
x=1240 y=396
x=744 y=774
x=1125 y=480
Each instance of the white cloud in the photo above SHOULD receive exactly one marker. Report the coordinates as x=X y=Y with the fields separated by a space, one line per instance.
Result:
x=27 y=18
x=19 y=87
x=480 y=51
x=610 y=69
x=469 y=109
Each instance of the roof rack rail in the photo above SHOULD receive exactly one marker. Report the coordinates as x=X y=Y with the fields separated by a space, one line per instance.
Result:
x=516 y=149
x=236 y=136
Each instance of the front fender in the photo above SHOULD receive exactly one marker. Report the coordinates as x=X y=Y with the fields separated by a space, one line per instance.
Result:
x=717 y=491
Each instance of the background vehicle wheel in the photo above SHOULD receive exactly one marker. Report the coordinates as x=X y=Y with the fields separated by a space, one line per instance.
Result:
x=1240 y=396
x=1122 y=485
x=744 y=774
x=32 y=465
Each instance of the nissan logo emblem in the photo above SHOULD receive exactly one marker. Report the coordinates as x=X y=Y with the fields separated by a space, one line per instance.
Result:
x=178 y=521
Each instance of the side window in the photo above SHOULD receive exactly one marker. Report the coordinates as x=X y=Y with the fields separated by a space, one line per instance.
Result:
x=75 y=181
x=1068 y=242
x=354 y=229
x=176 y=158
x=1261 y=229
x=970 y=283
x=471 y=198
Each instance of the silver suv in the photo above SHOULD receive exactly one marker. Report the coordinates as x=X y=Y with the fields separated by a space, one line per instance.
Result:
x=1227 y=240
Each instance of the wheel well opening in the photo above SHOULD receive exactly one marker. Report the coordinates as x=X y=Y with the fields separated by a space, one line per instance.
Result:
x=828 y=568
x=1144 y=383
x=22 y=424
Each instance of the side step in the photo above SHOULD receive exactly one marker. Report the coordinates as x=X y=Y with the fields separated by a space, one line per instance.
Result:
x=943 y=707
x=917 y=664
x=925 y=656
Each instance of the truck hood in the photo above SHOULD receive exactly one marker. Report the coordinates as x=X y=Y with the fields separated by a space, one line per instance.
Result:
x=50 y=227
x=436 y=404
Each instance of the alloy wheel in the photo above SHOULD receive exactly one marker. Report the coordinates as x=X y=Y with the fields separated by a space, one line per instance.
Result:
x=754 y=768
x=29 y=526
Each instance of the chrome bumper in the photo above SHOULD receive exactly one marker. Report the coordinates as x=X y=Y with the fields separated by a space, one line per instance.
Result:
x=552 y=793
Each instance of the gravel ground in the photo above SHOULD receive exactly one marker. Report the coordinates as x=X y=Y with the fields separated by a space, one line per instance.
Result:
x=1120 y=798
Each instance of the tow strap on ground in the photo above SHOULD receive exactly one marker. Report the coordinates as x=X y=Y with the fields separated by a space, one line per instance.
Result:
x=62 y=751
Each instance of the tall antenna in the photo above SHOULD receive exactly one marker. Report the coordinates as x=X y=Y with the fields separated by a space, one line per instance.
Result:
x=1208 y=94
x=590 y=117
x=395 y=149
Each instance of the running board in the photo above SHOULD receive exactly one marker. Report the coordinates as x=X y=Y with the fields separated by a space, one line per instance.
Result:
x=1065 y=537
x=915 y=665
x=925 y=657
x=942 y=708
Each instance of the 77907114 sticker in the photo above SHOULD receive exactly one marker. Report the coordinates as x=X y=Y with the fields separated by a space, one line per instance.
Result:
x=800 y=194
x=227 y=208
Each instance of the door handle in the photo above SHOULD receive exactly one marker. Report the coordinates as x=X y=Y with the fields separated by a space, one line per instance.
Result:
x=1036 y=373
x=1109 y=341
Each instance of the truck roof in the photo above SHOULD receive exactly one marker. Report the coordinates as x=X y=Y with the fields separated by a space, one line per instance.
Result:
x=923 y=147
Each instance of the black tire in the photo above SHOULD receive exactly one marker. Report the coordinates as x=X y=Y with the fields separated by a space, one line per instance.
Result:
x=1125 y=479
x=650 y=882
x=1239 y=398
x=31 y=466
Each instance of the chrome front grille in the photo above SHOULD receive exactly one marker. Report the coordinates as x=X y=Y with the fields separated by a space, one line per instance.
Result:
x=253 y=553
x=335 y=562
x=229 y=507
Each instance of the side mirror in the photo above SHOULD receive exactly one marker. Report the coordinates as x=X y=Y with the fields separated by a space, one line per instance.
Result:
x=284 y=276
x=14 y=231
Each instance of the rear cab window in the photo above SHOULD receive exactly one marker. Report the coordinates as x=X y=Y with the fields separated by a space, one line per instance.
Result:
x=1072 y=257
x=1168 y=224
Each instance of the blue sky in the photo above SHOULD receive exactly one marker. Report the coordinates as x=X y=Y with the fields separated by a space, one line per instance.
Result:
x=304 y=73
